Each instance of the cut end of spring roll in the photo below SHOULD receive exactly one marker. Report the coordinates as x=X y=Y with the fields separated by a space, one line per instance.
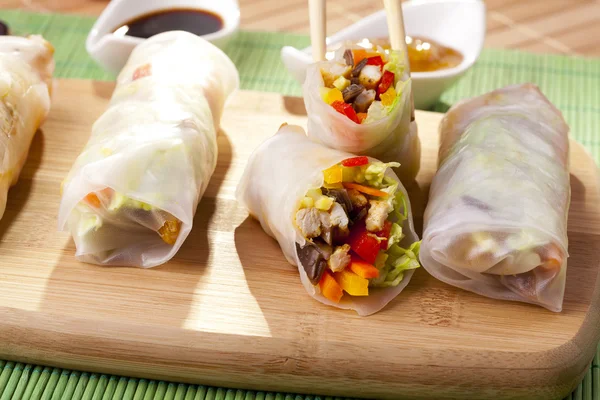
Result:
x=361 y=102
x=123 y=209
x=496 y=221
x=344 y=220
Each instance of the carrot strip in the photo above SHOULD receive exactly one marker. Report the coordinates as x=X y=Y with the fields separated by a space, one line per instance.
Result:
x=365 y=189
x=92 y=200
x=170 y=231
x=363 y=268
x=330 y=288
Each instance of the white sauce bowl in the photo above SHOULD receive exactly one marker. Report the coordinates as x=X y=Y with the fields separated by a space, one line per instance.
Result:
x=112 y=50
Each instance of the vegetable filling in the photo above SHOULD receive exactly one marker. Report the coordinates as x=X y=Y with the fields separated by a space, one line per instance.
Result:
x=107 y=200
x=353 y=226
x=364 y=85
x=521 y=258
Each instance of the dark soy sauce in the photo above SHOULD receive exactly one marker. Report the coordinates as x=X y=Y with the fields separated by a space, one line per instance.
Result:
x=3 y=28
x=199 y=22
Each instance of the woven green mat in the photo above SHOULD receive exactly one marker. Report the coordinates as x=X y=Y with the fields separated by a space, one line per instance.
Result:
x=572 y=84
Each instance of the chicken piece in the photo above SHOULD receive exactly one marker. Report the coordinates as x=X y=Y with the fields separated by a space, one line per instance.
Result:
x=326 y=226
x=363 y=101
x=357 y=198
x=309 y=222
x=378 y=213
x=340 y=258
x=331 y=71
x=338 y=216
x=370 y=76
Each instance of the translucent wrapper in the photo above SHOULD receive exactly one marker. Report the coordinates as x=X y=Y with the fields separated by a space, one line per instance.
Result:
x=131 y=195
x=390 y=138
x=496 y=222
x=26 y=67
x=277 y=177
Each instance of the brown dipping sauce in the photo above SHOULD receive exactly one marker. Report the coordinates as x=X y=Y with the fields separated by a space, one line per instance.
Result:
x=424 y=55
x=198 y=22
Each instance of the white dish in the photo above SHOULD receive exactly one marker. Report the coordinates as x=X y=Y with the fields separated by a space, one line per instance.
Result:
x=112 y=50
x=459 y=24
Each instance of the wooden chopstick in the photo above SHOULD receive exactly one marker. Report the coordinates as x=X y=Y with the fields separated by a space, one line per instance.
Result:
x=395 y=20
x=316 y=13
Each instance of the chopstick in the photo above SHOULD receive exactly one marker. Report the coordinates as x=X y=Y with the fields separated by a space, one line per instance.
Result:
x=316 y=13
x=395 y=21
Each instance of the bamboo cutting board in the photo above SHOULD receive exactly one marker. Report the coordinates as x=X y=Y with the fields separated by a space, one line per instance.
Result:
x=230 y=311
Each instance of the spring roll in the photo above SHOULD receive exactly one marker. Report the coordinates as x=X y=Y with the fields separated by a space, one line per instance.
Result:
x=344 y=221
x=496 y=222
x=26 y=67
x=360 y=102
x=131 y=195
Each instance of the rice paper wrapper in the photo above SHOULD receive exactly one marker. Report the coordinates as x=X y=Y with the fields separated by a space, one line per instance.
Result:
x=26 y=67
x=155 y=146
x=392 y=138
x=277 y=176
x=496 y=221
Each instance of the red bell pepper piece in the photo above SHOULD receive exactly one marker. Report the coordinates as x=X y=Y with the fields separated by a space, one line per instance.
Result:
x=346 y=109
x=355 y=161
x=385 y=233
x=387 y=80
x=363 y=243
x=377 y=60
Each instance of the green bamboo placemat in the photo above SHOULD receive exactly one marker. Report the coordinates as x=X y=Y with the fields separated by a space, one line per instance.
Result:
x=572 y=84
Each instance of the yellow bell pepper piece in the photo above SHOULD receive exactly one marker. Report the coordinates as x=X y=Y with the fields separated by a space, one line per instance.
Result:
x=324 y=203
x=307 y=202
x=331 y=95
x=387 y=98
x=348 y=174
x=314 y=193
x=341 y=83
x=333 y=174
x=352 y=284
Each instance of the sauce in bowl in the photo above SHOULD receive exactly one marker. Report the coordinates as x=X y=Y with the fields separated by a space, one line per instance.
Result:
x=424 y=55
x=3 y=29
x=196 y=21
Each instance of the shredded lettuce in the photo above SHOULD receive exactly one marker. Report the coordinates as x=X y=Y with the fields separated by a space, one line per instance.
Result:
x=380 y=260
x=88 y=222
x=396 y=64
x=399 y=206
x=397 y=261
x=396 y=235
x=375 y=173
x=119 y=201
x=376 y=112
